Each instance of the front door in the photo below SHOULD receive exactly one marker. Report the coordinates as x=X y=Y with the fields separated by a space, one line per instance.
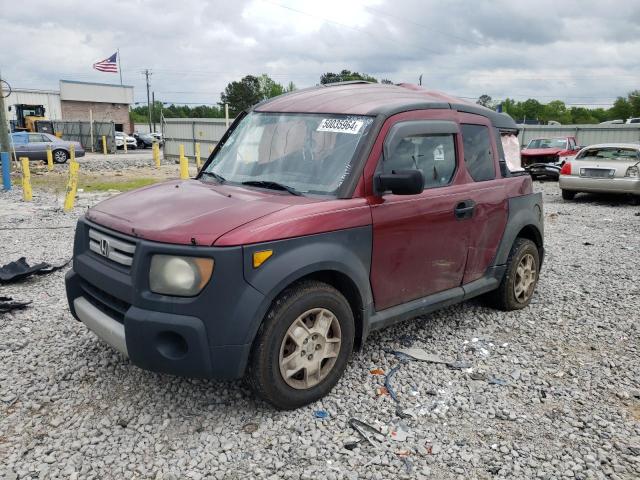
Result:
x=37 y=146
x=420 y=241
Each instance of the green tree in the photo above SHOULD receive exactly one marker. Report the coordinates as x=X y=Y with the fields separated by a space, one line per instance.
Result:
x=556 y=111
x=269 y=88
x=582 y=115
x=621 y=109
x=291 y=87
x=485 y=100
x=345 y=76
x=600 y=114
x=532 y=109
x=634 y=101
x=512 y=108
x=241 y=95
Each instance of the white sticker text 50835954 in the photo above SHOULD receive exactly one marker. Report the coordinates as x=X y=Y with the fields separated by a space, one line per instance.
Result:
x=340 y=125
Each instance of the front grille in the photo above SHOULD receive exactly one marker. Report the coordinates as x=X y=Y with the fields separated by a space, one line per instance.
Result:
x=115 y=249
x=105 y=302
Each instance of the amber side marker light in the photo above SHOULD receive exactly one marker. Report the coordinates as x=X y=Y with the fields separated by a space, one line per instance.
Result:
x=260 y=257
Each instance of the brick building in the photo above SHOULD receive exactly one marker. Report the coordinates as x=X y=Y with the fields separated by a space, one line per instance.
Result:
x=101 y=102
x=78 y=101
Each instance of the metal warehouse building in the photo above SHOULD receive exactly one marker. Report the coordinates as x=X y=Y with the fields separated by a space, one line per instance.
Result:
x=79 y=101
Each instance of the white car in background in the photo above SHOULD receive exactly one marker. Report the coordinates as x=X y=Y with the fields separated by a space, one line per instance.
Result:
x=120 y=139
x=606 y=168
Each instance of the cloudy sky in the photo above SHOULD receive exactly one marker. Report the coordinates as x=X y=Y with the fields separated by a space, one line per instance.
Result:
x=580 y=51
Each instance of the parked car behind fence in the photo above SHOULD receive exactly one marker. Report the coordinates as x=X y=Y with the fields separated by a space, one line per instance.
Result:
x=35 y=145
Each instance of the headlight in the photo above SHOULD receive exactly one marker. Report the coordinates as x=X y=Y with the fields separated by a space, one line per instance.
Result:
x=179 y=276
x=632 y=172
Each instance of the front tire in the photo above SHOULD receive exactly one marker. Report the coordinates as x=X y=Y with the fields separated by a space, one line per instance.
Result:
x=520 y=278
x=303 y=346
x=568 y=194
x=60 y=156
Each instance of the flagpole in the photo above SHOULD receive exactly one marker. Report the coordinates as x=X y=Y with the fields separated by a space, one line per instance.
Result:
x=119 y=67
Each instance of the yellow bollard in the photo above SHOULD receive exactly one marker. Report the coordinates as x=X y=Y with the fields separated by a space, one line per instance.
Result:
x=181 y=147
x=197 y=148
x=184 y=168
x=156 y=154
x=26 y=180
x=72 y=153
x=72 y=185
x=104 y=144
x=49 y=159
x=124 y=143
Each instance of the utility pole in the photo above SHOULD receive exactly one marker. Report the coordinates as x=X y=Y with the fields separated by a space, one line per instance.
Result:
x=153 y=106
x=5 y=144
x=147 y=73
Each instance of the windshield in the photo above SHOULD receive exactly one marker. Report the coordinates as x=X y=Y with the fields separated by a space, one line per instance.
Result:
x=310 y=153
x=548 y=143
x=611 y=153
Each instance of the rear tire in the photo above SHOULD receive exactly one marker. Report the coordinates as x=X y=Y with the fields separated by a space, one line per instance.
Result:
x=60 y=156
x=303 y=345
x=568 y=194
x=520 y=278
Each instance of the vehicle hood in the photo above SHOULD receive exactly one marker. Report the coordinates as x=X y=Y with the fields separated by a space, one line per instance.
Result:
x=541 y=151
x=187 y=211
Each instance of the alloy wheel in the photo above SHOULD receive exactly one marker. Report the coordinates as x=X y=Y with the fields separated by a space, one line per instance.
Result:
x=526 y=276
x=310 y=348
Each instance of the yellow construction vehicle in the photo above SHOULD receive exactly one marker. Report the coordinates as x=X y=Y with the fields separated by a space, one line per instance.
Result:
x=31 y=118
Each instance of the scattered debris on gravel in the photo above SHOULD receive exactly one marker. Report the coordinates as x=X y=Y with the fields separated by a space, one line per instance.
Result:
x=548 y=392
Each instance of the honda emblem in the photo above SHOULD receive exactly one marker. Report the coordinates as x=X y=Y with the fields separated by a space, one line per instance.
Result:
x=104 y=247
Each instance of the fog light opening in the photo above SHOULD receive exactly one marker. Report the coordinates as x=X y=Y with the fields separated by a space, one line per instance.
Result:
x=172 y=345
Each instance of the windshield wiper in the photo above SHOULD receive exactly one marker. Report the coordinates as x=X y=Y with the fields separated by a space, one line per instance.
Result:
x=272 y=185
x=217 y=176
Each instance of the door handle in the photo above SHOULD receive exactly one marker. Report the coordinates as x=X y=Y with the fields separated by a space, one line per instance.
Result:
x=464 y=209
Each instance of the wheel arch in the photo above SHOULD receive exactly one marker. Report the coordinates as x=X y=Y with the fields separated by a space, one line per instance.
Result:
x=525 y=220
x=339 y=259
x=531 y=232
x=344 y=284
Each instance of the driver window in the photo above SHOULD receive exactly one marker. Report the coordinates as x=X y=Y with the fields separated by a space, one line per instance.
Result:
x=35 y=138
x=433 y=155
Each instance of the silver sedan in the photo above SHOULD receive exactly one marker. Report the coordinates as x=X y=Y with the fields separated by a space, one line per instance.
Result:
x=607 y=168
x=35 y=145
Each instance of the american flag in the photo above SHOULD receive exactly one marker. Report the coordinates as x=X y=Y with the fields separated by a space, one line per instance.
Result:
x=108 y=64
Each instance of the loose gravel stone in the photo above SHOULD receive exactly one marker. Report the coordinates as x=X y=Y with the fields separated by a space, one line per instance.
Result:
x=548 y=392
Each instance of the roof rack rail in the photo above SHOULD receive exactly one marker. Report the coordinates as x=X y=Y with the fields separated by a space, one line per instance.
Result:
x=348 y=82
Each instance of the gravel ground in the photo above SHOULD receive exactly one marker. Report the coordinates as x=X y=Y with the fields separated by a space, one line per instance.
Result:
x=553 y=390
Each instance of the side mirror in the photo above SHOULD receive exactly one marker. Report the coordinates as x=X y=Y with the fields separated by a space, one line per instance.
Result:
x=400 y=182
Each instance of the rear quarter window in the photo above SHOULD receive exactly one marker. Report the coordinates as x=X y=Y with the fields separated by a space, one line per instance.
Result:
x=477 y=152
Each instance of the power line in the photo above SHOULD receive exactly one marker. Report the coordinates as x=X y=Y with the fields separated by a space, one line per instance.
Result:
x=429 y=28
x=366 y=32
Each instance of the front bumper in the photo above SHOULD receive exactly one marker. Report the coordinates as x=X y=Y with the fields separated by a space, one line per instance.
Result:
x=209 y=335
x=600 y=185
x=543 y=170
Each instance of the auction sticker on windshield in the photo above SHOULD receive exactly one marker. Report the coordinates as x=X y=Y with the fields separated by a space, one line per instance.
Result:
x=340 y=125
